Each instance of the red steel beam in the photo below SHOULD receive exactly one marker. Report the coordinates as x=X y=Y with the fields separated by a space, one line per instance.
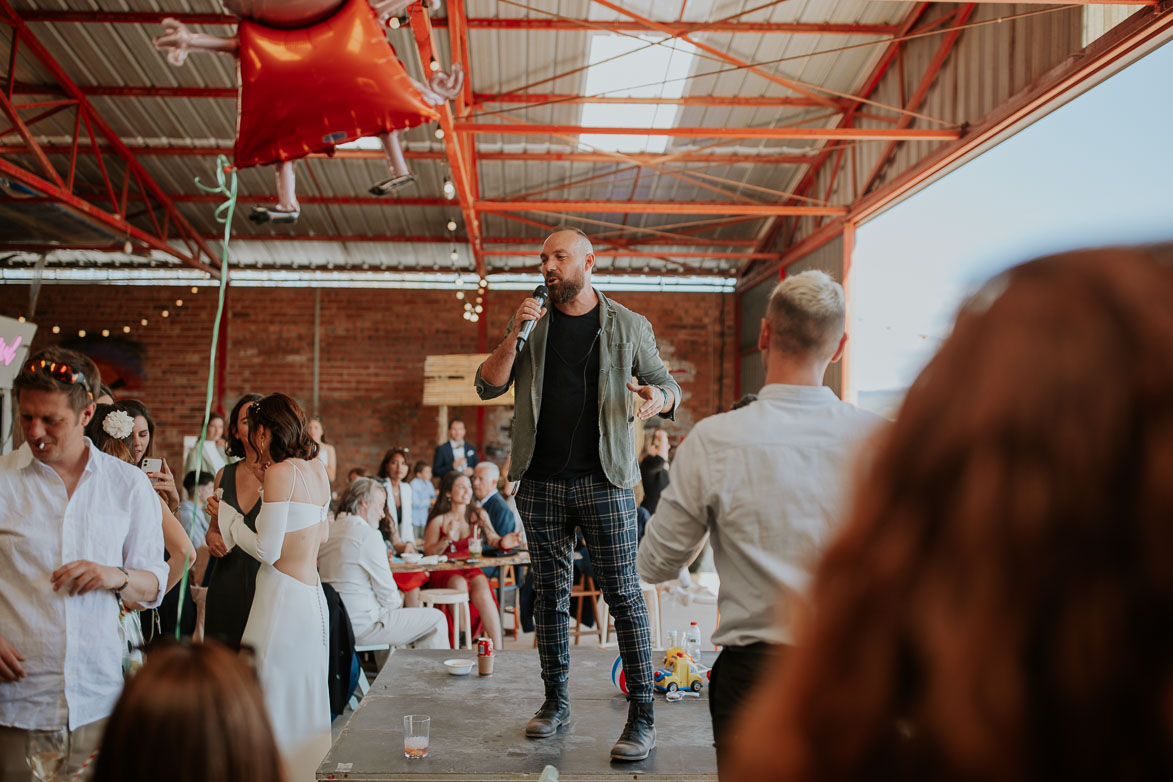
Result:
x=459 y=167
x=646 y=254
x=551 y=25
x=657 y=207
x=832 y=134
x=118 y=226
x=206 y=198
x=914 y=101
x=195 y=244
x=515 y=240
x=145 y=150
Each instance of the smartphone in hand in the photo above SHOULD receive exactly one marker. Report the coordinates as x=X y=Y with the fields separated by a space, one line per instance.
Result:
x=152 y=465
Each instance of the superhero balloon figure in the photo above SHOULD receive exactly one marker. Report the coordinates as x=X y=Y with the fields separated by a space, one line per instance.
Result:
x=315 y=74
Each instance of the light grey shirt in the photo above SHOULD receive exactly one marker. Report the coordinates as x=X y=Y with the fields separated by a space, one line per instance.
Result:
x=353 y=560
x=770 y=483
x=71 y=645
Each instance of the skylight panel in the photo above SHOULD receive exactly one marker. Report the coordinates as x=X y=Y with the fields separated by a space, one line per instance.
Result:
x=646 y=72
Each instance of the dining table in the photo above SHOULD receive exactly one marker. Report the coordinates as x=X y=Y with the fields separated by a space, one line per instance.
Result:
x=520 y=557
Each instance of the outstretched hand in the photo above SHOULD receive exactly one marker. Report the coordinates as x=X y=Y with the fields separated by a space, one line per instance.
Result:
x=177 y=38
x=654 y=403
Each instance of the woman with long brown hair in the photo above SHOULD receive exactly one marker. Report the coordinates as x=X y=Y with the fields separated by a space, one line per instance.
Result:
x=1000 y=605
x=193 y=713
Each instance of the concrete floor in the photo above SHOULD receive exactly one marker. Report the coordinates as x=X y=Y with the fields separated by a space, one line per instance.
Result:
x=477 y=725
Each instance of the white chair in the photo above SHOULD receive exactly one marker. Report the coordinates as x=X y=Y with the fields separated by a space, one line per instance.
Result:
x=364 y=686
x=461 y=614
x=652 y=598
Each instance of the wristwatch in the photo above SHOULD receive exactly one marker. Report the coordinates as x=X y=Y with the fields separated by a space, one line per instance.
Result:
x=118 y=590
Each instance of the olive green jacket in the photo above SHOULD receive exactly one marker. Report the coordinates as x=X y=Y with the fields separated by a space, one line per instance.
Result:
x=628 y=347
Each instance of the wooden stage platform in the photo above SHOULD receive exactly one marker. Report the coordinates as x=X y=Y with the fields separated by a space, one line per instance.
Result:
x=478 y=725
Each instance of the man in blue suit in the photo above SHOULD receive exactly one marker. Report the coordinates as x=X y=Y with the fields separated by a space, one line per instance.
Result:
x=484 y=486
x=455 y=454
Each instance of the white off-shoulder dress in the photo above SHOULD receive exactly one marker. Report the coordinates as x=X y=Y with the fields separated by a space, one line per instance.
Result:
x=288 y=630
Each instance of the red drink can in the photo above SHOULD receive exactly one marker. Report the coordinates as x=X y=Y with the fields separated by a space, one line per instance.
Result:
x=485 y=647
x=485 y=657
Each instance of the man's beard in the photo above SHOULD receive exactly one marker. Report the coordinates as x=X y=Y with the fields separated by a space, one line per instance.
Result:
x=566 y=290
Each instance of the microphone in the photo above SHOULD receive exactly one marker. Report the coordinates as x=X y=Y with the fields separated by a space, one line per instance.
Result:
x=541 y=293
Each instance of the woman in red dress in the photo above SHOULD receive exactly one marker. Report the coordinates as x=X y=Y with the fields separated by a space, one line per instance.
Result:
x=452 y=523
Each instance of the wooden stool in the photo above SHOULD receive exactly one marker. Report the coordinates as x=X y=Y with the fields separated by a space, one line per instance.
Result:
x=461 y=615
x=652 y=598
x=510 y=590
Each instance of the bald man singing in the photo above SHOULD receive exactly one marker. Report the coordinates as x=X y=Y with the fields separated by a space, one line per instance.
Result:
x=574 y=453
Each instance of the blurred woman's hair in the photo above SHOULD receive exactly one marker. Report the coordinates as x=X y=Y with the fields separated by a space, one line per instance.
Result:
x=119 y=448
x=193 y=713
x=384 y=472
x=1000 y=603
x=289 y=436
x=235 y=447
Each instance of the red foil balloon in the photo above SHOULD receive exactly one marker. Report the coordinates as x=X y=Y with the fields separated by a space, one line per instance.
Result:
x=307 y=90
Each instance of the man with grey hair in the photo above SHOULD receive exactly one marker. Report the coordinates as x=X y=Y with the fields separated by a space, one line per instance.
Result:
x=768 y=482
x=353 y=560
x=573 y=443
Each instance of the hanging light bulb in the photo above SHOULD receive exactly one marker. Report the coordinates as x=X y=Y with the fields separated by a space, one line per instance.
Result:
x=194 y=289
x=165 y=314
x=20 y=319
x=179 y=302
x=434 y=65
x=126 y=329
x=478 y=309
x=394 y=23
x=451 y=224
x=449 y=189
x=81 y=332
x=460 y=294
x=467 y=307
x=474 y=317
x=128 y=248
x=143 y=322
x=458 y=282
x=439 y=132
x=105 y=332
x=484 y=283
x=466 y=315
x=454 y=255
x=56 y=329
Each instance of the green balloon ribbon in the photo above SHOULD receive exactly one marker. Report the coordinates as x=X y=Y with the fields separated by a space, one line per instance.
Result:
x=225 y=186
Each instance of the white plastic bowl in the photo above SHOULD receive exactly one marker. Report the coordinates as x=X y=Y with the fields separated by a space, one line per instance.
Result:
x=458 y=667
x=411 y=557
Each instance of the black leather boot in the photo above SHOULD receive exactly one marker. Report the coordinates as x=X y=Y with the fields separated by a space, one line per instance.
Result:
x=639 y=734
x=555 y=712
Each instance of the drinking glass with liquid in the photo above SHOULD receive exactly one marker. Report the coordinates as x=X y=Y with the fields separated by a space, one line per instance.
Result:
x=46 y=752
x=416 y=729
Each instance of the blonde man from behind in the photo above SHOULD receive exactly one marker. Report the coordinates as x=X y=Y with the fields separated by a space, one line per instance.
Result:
x=768 y=483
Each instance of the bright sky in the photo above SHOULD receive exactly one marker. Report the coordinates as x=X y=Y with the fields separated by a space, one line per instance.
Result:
x=644 y=66
x=1097 y=171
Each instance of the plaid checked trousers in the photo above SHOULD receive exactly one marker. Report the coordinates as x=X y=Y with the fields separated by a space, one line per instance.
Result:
x=551 y=509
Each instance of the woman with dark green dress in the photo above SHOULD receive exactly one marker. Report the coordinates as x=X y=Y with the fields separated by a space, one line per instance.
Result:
x=232 y=576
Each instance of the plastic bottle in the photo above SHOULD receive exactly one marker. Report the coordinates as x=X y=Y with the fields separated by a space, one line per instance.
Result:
x=673 y=639
x=692 y=643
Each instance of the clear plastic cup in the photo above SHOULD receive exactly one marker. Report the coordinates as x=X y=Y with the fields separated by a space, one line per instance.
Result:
x=416 y=730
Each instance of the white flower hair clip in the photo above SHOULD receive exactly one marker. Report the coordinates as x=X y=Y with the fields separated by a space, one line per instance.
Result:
x=118 y=424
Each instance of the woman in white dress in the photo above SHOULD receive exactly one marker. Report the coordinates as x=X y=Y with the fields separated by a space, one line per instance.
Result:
x=288 y=626
x=327 y=455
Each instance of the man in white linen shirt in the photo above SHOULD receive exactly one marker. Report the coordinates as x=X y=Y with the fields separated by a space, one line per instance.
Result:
x=769 y=482
x=79 y=530
x=354 y=561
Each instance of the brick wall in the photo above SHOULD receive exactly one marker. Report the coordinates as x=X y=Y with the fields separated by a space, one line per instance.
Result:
x=372 y=349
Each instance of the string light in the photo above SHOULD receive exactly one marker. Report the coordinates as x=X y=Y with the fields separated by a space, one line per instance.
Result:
x=478 y=309
x=56 y=329
x=165 y=314
x=460 y=294
x=143 y=322
x=467 y=315
x=394 y=23
x=194 y=289
x=81 y=332
x=474 y=317
x=20 y=319
x=458 y=282
x=449 y=189
x=105 y=332
x=179 y=302
x=126 y=329
x=451 y=224
x=439 y=132
x=454 y=255
x=434 y=65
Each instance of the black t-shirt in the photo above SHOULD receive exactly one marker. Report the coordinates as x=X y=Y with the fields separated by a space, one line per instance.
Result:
x=567 y=440
x=653 y=472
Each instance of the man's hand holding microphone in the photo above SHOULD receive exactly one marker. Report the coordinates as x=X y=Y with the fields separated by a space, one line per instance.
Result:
x=530 y=312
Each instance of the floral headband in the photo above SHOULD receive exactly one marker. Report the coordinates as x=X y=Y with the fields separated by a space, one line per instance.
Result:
x=118 y=424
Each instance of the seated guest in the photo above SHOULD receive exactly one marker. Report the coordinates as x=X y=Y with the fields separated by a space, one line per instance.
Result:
x=191 y=510
x=423 y=494
x=484 y=488
x=355 y=472
x=999 y=604
x=77 y=524
x=455 y=454
x=193 y=713
x=454 y=521
x=398 y=528
x=213 y=455
x=353 y=560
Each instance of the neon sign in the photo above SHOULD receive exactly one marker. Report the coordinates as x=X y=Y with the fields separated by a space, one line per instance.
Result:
x=8 y=352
